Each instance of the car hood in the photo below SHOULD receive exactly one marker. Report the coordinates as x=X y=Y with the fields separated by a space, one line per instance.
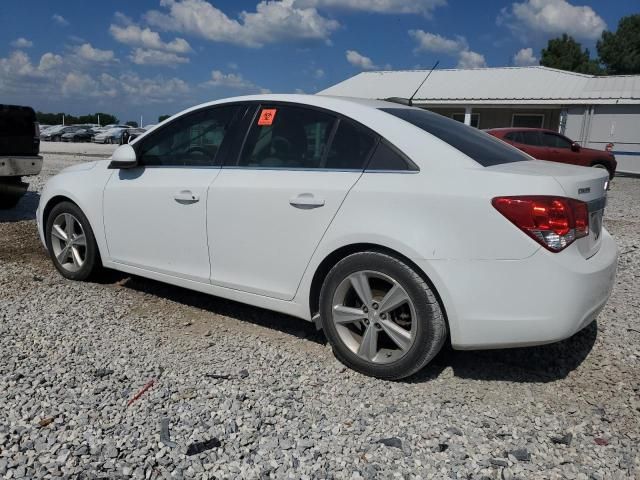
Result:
x=80 y=167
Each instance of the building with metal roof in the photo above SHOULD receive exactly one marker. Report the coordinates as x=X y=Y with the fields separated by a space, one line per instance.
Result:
x=596 y=111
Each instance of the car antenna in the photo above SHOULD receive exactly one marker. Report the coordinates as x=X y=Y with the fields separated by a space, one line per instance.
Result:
x=409 y=101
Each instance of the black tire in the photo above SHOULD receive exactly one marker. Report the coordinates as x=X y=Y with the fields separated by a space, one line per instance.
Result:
x=431 y=328
x=92 y=263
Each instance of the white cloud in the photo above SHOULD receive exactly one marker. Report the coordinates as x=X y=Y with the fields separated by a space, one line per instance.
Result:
x=142 y=56
x=60 y=20
x=232 y=80
x=49 y=61
x=144 y=37
x=360 y=61
x=431 y=42
x=271 y=22
x=424 y=7
x=319 y=73
x=22 y=43
x=469 y=59
x=87 y=52
x=454 y=47
x=525 y=58
x=551 y=17
x=81 y=84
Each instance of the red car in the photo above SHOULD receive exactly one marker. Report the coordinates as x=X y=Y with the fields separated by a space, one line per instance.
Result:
x=549 y=145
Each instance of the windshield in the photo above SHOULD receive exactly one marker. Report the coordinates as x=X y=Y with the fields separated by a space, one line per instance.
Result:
x=480 y=146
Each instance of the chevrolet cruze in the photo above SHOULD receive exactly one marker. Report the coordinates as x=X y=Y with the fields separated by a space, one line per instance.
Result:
x=394 y=229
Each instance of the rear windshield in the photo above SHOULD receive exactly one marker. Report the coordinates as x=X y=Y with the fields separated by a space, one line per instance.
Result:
x=480 y=146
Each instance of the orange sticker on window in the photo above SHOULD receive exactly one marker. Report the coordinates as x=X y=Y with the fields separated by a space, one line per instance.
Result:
x=267 y=115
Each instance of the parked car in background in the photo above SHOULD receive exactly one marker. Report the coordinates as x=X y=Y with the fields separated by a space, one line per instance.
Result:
x=134 y=133
x=81 y=135
x=19 y=148
x=393 y=228
x=55 y=135
x=549 y=145
x=113 y=135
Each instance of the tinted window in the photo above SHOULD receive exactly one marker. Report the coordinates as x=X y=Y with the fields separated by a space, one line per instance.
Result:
x=478 y=145
x=350 y=147
x=190 y=140
x=555 y=141
x=531 y=137
x=514 y=137
x=388 y=158
x=287 y=137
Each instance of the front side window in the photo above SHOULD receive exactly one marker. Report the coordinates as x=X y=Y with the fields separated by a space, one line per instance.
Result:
x=287 y=137
x=555 y=141
x=192 y=140
x=476 y=144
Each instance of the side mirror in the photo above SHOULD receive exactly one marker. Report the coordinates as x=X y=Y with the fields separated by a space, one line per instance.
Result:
x=124 y=157
x=575 y=147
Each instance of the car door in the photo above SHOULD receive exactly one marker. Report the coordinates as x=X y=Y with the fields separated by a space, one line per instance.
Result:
x=268 y=211
x=155 y=213
x=559 y=148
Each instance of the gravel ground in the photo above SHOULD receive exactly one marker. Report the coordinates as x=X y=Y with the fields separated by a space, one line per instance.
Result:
x=268 y=389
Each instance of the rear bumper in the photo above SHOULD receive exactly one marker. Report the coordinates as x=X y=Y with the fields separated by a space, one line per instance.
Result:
x=15 y=166
x=510 y=303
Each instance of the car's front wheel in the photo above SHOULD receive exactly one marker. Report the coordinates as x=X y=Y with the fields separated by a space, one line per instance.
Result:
x=71 y=243
x=380 y=316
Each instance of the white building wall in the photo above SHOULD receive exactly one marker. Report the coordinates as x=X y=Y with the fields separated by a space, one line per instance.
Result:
x=599 y=125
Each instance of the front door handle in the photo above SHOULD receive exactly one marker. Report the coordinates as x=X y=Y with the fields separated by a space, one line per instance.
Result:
x=306 y=201
x=186 y=197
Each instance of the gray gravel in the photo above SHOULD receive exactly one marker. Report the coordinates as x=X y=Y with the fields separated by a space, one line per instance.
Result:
x=268 y=388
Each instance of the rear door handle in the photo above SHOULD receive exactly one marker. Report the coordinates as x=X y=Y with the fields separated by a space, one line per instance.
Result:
x=306 y=201
x=186 y=197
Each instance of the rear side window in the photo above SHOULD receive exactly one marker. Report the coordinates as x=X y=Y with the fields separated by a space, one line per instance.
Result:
x=480 y=146
x=350 y=148
x=388 y=158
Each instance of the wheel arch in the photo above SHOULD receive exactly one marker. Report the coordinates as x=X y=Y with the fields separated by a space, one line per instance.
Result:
x=342 y=252
x=58 y=199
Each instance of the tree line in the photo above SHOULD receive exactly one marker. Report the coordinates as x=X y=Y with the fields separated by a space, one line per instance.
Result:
x=618 y=52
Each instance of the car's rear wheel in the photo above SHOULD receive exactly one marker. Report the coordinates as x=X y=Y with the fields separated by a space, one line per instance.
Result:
x=380 y=316
x=71 y=242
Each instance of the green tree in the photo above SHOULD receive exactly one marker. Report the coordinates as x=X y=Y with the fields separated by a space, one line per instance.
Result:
x=162 y=118
x=564 y=53
x=132 y=123
x=619 y=51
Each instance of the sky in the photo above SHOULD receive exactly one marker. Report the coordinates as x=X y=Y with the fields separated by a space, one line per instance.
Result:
x=153 y=57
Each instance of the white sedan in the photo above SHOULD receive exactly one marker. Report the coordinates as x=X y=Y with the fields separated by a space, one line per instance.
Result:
x=394 y=229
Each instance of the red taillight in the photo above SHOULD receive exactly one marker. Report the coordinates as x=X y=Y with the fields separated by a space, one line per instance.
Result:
x=554 y=222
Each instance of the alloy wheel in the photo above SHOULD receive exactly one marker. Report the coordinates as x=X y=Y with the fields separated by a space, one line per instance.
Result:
x=68 y=242
x=374 y=316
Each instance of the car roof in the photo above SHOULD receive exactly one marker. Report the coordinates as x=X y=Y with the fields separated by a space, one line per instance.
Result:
x=323 y=101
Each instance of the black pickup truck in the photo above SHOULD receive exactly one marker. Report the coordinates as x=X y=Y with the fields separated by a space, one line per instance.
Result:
x=19 y=149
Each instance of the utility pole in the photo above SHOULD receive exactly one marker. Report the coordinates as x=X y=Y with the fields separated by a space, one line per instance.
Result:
x=140 y=121
x=63 y=119
x=99 y=124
